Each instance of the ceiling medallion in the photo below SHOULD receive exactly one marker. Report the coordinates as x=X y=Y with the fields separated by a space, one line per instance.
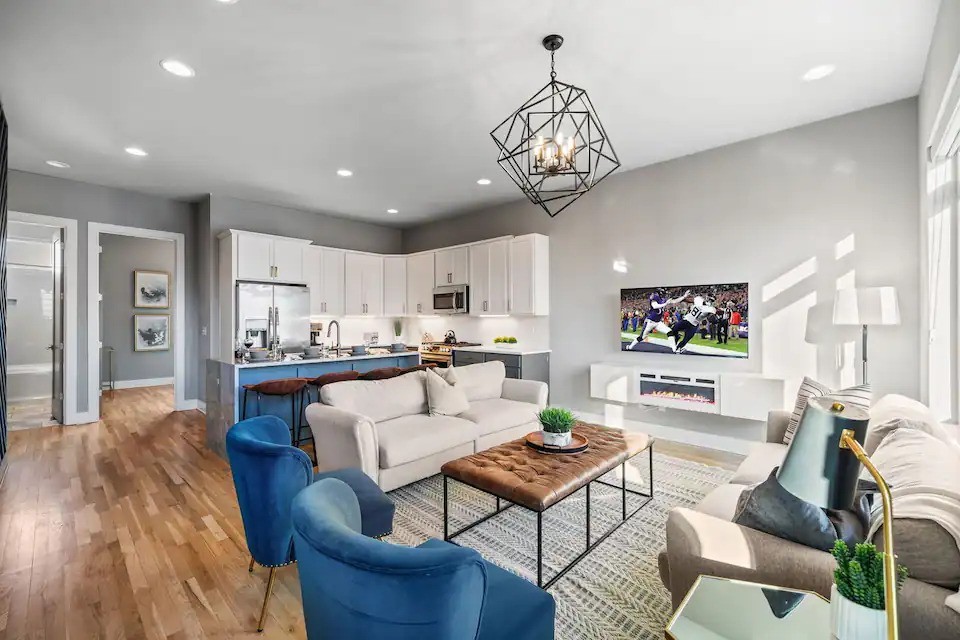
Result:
x=554 y=147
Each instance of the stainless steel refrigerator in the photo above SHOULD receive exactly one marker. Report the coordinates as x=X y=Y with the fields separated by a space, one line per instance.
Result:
x=267 y=312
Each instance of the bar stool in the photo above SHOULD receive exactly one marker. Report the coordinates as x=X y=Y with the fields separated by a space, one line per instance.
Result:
x=296 y=388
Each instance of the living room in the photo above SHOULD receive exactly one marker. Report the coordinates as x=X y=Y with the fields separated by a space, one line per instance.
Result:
x=760 y=198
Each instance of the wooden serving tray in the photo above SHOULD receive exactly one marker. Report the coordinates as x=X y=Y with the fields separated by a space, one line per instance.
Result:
x=578 y=444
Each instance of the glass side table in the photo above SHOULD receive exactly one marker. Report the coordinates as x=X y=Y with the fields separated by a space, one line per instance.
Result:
x=722 y=609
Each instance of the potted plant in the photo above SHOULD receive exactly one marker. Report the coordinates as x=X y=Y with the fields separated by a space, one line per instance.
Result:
x=857 y=597
x=505 y=341
x=557 y=425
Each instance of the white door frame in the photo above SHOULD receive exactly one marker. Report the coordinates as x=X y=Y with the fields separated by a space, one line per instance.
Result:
x=71 y=346
x=94 y=229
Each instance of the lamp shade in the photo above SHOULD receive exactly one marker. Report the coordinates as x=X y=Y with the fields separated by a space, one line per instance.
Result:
x=871 y=305
x=815 y=468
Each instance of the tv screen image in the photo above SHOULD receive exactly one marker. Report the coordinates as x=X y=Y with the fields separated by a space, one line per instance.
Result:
x=697 y=319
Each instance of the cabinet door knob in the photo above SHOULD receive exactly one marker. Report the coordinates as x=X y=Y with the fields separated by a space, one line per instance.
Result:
x=418 y=307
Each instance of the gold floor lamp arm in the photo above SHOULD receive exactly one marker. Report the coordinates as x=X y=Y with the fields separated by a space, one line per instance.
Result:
x=848 y=441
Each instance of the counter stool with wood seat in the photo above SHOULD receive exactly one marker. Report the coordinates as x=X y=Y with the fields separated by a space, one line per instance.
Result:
x=296 y=389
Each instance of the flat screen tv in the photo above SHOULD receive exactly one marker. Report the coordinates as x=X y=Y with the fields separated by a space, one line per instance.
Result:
x=697 y=319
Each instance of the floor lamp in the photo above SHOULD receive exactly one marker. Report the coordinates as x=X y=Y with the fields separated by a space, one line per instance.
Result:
x=864 y=307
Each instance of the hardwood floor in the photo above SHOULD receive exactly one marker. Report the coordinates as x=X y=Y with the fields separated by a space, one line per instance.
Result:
x=129 y=528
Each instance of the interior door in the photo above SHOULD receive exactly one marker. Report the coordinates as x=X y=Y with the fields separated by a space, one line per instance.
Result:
x=56 y=403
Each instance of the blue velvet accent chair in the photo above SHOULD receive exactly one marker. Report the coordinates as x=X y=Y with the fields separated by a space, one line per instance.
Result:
x=268 y=473
x=357 y=587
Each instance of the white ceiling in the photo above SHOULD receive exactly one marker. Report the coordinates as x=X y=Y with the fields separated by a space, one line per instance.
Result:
x=405 y=92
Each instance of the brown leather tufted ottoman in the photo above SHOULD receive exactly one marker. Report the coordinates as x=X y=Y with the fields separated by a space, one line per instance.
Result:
x=537 y=481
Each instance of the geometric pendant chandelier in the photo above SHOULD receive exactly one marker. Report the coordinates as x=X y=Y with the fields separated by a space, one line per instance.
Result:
x=554 y=147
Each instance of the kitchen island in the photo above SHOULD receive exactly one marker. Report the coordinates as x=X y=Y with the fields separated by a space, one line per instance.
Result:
x=225 y=381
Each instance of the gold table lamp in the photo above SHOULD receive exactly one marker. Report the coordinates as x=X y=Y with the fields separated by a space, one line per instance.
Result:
x=822 y=466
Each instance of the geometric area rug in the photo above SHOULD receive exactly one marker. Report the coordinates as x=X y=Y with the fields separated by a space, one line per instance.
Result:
x=613 y=593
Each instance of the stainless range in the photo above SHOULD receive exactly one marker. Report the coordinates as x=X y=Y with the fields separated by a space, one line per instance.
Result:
x=441 y=352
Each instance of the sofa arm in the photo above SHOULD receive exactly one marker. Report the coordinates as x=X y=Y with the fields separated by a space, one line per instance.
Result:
x=777 y=422
x=531 y=391
x=700 y=544
x=346 y=439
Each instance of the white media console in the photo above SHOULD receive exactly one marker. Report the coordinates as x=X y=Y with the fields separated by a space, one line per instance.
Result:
x=740 y=395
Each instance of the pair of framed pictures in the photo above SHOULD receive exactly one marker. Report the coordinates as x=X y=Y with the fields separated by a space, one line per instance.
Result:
x=151 y=290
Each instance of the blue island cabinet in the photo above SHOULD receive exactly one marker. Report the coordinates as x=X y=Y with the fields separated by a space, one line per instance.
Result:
x=225 y=393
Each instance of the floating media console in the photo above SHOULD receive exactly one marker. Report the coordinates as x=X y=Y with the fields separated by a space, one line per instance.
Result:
x=749 y=396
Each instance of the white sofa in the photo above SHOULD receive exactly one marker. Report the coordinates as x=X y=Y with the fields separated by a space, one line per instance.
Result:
x=384 y=428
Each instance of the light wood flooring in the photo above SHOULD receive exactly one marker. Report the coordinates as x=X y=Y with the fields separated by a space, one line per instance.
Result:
x=129 y=528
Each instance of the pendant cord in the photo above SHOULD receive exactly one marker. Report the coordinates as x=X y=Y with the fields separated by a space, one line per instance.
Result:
x=553 y=73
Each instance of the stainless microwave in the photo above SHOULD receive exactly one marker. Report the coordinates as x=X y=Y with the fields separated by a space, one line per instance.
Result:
x=452 y=299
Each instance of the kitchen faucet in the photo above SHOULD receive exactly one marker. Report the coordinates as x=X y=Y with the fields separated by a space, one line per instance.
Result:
x=330 y=328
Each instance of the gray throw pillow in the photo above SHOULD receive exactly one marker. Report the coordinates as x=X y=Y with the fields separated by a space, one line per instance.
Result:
x=926 y=549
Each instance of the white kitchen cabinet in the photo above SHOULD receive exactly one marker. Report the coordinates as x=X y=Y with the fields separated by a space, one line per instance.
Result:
x=323 y=273
x=420 y=283
x=451 y=266
x=254 y=257
x=394 y=286
x=529 y=275
x=488 y=278
x=263 y=257
x=363 y=280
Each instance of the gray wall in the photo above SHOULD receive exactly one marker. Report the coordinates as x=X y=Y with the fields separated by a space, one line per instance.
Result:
x=779 y=211
x=33 y=193
x=121 y=256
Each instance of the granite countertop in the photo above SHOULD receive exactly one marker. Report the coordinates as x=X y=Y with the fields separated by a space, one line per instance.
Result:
x=308 y=360
x=517 y=350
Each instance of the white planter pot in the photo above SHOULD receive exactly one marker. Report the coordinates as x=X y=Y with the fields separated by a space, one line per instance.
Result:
x=852 y=621
x=556 y=439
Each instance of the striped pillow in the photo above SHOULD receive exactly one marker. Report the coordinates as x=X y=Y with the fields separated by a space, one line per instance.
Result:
x=858 y=396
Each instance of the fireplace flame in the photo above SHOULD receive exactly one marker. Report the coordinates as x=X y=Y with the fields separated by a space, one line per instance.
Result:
x=685 y=397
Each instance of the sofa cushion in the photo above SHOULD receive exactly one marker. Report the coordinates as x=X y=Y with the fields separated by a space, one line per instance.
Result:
x=721 y=502
x=481 y=381
x=858 y=396
x=409 y=438
x=444 y=398
x=498 y=414
x=763 y=457
x=379 y=400
x=926 y=549
x=893 y=412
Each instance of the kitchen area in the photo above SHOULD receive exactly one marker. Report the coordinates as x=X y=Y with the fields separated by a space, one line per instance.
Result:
x=292 y=309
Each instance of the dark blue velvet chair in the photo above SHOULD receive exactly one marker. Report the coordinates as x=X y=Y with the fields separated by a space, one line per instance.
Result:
x=355 y=587
x=268 y=473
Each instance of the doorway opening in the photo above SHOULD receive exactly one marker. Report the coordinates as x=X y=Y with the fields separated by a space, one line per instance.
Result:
x=35 y=348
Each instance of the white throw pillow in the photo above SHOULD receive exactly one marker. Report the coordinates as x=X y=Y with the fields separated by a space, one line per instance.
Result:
x=858 y=396
x=443 y=398
x=893 y=412
x=481 y=381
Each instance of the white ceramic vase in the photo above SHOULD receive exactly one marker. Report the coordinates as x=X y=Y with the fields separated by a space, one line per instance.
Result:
x=556 y=439
x=852 y=621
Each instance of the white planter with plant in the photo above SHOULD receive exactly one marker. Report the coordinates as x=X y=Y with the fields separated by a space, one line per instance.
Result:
x=506 y=342
x=857 y=595
x=556 y=426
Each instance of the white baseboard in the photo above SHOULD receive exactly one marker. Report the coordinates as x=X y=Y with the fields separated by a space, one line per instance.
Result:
x=202 y=407
x=676 y=434
x=145 y=382
x=83 y=418
x=189 y=405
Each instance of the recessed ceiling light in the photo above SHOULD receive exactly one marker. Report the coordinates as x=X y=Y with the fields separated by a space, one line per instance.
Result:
x=483 y=181
x=392 y=211
x=136 y=151
x=819 y=72
x=58 y=164
x=177 y=68
x=344 y=173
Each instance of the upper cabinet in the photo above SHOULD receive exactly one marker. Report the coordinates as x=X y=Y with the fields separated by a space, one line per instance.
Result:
x=394 y=286
x=529 y=289
x=263 y=257
x=450 y=266
x=363 y=279
x=420 y=283
x=489 y=275
x=323 y=272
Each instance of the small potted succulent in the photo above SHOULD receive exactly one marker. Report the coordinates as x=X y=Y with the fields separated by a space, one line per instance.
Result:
x=557 y=426
x=857 y=596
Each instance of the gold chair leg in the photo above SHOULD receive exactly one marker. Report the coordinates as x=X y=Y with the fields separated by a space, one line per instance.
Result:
x=266 y=598
x=251 y=565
